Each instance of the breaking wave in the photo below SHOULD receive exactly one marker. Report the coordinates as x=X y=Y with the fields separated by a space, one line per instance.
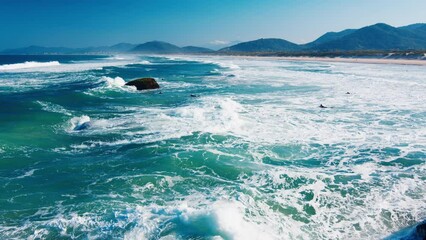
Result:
x=26 y=65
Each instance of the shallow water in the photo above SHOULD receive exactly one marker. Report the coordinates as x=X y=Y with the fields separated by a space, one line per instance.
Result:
x=251 y=157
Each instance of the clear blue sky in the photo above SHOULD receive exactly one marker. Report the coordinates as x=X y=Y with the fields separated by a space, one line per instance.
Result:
x=81 y=23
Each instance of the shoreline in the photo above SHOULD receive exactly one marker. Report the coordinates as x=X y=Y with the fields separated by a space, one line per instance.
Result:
x=401 y=61
x=417 y=62
x=361 y=60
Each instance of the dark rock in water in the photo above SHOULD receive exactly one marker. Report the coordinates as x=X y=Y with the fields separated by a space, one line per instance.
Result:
x=322 y=106
x=421 y=230
x=144 y=83
x=417 y=232
x=348 y=93
x=83 y=126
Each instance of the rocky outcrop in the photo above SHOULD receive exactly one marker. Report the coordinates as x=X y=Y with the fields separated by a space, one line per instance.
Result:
x=144 y=83
x=421 y=230
x=416 y=232
x=83 y=126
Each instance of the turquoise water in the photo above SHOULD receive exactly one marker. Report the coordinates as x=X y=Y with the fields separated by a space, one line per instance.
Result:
x=251 y=157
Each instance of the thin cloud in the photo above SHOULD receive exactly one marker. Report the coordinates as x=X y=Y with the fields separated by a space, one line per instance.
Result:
x=219 y=42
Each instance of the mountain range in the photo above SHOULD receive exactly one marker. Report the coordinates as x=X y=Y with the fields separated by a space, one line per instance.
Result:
x=380 y=37
x=165 y=48
x=375 y=37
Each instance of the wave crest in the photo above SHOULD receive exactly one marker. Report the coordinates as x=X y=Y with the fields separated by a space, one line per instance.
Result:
x=114 y=82
x=30 y=64
x=78 y=122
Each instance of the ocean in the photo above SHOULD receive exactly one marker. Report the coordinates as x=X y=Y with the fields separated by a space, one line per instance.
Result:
x=250 y=155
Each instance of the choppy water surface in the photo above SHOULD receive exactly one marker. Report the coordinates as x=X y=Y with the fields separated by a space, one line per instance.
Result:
x=252 y=157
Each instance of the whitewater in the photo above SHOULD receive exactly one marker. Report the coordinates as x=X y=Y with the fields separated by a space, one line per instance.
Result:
x=227 y=148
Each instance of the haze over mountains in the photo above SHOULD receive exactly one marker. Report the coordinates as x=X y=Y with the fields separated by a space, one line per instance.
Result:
x=379 y=36
x=157 y=47
x=163 y=47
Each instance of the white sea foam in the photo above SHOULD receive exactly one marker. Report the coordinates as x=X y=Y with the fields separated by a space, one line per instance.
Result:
x=26 y=65
x=212 y=115
x=222 y=219
x=116 y=82
x=110 y=84
x=117 y=57
x=228 y=64
x=342 y=194
x=335 y=212
x=51 y=107
x=84 y=66
x=144 y=62
x=77 y=122
x=76 y=66
x=287 y=117
x=133 y=58
x=96 y=126
x=377 y=114
x=27 y=173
